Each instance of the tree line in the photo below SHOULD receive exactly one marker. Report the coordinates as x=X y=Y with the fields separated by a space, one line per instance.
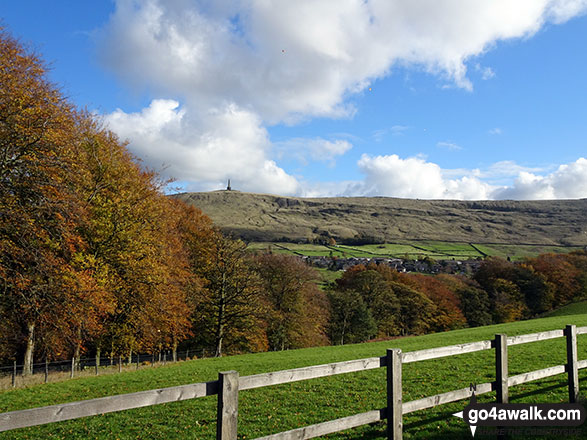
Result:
x=95 y=259
x=375 y=301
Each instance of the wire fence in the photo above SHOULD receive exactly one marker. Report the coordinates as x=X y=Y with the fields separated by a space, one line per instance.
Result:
x=55 y=371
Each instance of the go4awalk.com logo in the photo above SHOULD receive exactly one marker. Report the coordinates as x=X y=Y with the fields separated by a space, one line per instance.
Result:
x=568 y=415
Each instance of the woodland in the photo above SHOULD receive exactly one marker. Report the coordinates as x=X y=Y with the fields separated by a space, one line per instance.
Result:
x=96 y=259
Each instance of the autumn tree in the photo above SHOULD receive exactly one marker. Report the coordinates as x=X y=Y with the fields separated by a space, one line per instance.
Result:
x=297 y=311
x=562 y=273
x=447 y=314
x=43 y=283
x=397 y=307
x=579 y=260
x=133 y=247
x=473 y=299
x=229 y=307
x=531 y=293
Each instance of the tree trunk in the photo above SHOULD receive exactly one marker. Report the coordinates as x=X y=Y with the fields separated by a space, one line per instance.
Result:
x=77 y=351
x=174 y=349
x=98 y=353
x=219 y=338
x=343 y=331
x=220 y=323
x=30 y=348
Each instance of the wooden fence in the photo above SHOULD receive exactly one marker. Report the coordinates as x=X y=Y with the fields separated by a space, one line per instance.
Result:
x=229 y=384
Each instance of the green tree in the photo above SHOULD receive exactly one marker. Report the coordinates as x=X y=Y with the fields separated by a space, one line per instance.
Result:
x=375 y=288
x=296 y=310
x=350 y=319
x=229 y=307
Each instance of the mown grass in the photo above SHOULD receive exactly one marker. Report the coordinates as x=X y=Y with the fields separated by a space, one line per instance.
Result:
x=273 y=409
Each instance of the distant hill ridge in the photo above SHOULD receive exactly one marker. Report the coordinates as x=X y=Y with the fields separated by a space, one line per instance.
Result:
x=264 y=217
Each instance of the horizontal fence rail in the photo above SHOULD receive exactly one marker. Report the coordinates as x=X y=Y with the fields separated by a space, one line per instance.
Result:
x=229 y=384
x=313 y=372
x=102 y=405
x=450 y=350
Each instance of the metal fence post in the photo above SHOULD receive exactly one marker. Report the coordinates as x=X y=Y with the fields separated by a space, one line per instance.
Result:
x=394 y=394
x=572 y=370
x=501 y=368
x=227 y=413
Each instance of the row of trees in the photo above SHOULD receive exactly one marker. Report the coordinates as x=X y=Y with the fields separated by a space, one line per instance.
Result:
x=94 y=257
x=376 y=301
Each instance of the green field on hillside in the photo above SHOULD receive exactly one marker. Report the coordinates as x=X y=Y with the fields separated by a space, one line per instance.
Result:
x=579 y=308
x=273 y=409
x=438 y=250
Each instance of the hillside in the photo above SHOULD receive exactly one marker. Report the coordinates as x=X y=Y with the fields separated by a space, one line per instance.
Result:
x=262 y=217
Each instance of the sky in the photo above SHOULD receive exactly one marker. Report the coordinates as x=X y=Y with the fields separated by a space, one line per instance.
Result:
x=428 y=99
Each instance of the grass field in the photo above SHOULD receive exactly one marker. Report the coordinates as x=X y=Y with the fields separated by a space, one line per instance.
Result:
x=273 y=409
x=438 y=250
x=579 y=308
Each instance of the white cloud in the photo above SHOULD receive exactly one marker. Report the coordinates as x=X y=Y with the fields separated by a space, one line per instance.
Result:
x=508 y=168
x=569 y=181
x=449 y=146
x=486 y=72
x=413 y=178
x=399 y=129
x=231 y=143
x=563 y=10
x=238 y=66
x=495 y=131
x=395 y=130
x=317 y=149
x=204 y=149
x=287 y=59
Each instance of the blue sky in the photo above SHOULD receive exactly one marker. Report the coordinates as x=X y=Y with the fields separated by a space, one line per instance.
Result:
x=423 y=99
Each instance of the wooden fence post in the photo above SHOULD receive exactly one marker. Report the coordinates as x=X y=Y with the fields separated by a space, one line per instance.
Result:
x=227 y=415
x=501 y=368
x=394 y=394
x=571 y=334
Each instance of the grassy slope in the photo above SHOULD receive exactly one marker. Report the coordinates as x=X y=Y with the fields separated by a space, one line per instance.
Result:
x=278 y=408
x=579 y=308
x=416 y=249
x=262 y=217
